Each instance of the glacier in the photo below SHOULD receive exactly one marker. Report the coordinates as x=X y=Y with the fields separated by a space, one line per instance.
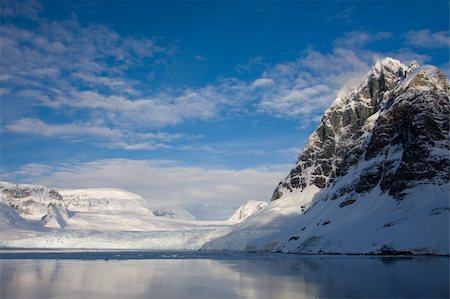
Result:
x=34 y=216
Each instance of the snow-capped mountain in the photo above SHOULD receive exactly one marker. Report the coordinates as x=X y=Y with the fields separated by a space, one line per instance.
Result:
x=104 y=200
x=246 y=210
x=373 y=178
x=36 y=204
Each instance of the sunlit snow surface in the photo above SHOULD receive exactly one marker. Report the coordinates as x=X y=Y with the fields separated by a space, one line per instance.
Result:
x=97 y=218
x=178 y=274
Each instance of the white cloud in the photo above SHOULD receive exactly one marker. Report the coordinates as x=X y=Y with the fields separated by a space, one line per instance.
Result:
x=138 y=146
x=28 y=9
x=446 y=68
x=291 y=152
x=34 y=170
x=294 y=102
x=5 y=77
x=98 y=57
x=427 y=39
x=406 y=55
x=360 y=38
x=101 y=135
x=345 y=14
x=168 y=182
x=200 y=58
x=304 y=88
x=48 y=71
x=38 y=127
x=254 y=64
x=93 y=80
x=114 y=83
x=262 y=82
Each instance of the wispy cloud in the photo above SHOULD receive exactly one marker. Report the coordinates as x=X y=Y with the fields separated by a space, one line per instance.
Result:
x=99 y=134
x=33 y=171
x=427 y=39
x=360 y=38
x=28 y=9
x=162 y=110
x=304 y=88
x=79 y=69
x=71 y=68
x=344 y=15
x=300 y=88
x=38 y=127
x=254 y=64
x=261 y=82
x=168 y=182
x=290 y=153
x=67 y=47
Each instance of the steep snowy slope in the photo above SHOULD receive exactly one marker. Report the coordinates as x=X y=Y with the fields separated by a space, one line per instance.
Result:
x=373 y=178
x=247 y=210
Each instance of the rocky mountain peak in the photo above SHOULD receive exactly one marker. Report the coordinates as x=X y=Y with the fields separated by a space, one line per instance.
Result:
x=413 y=65
x=34 y=203
x=412 y=96
x=246 y=210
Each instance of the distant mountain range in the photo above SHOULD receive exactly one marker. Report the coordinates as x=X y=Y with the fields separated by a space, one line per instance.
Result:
x=34 y=216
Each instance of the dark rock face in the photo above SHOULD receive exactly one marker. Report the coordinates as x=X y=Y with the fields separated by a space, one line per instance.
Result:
x=396 y=124
x=369 y=178
x=417 y=125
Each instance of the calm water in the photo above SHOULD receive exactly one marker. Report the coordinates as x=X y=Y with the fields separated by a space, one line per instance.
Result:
x=219 y=275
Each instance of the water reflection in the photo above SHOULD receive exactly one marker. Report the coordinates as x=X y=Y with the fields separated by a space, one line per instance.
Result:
x=263 y=277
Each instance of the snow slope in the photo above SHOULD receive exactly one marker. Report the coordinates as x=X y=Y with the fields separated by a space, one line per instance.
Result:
x=98 y=218
x=247 y=210
x=373 y=178
x=101 y=218
x=105 y=200
x=35 y=205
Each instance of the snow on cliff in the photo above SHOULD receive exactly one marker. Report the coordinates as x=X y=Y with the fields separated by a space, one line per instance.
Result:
x=247 y=210
x=373 y=178
x=33 y=204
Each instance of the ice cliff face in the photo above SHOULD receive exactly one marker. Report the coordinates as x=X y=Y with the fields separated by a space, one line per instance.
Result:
x=373 y=177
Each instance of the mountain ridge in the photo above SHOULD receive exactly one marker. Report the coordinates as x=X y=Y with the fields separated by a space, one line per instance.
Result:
x=373 y=177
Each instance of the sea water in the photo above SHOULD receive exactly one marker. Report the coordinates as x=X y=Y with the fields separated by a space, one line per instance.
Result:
x=151 y=274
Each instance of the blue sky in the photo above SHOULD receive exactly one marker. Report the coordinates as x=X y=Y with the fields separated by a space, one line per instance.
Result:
x=204 y=104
